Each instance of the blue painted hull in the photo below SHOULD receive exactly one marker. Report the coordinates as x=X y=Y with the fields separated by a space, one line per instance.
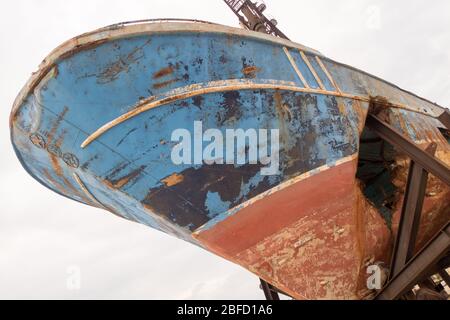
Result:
x=95 y=123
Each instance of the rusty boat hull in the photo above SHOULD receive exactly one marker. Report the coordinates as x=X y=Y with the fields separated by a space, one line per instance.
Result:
x=94 y=124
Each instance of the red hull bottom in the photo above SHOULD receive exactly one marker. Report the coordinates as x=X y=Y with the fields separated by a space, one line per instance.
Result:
x=313 y=240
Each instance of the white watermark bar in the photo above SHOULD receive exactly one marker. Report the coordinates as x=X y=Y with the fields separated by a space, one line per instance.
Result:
x=234 y=147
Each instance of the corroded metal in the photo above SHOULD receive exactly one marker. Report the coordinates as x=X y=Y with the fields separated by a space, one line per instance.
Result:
x=95 y=123
x=418 y=268
x=433 y=165
x=410 y=216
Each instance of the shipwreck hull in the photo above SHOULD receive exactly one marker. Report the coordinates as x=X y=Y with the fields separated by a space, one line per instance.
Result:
x=95 y=124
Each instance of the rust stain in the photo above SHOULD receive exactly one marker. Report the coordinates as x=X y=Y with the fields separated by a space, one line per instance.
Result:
x=55 y=153
x=55 y=156
x=173 y=180
x=56 y=124
x=380 y=107
x=342 y=108
x=361 y=113
x=284 y=115
x=52 y=180
x=163 y=84
x=66 y=187
x=114 y=69
x=87 y=46
x=55 y=165
x=250 y=71
x=123 y=181
x=163 y=72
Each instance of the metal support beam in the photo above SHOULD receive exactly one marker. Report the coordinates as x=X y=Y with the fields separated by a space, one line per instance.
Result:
x=444 y=118
x=269 y=291
x=445 y=276
x=410 y=216
x=418 y=268
x=421 y=157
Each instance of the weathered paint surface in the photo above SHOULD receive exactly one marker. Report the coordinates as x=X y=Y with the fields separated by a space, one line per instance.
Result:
x=95 y=125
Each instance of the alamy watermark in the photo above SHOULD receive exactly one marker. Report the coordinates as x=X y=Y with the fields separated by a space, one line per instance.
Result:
x=373 y=17
x=374 y=281
x=73 y=281
x=235 y=147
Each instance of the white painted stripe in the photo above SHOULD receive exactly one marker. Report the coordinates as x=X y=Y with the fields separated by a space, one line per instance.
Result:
x=297 y=70
x=313 y=71
x=328 y=74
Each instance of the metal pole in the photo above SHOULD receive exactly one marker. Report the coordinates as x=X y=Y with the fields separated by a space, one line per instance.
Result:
x=269 y=292
x=419 y=267
x=445 y=119
x=410 y=216
x=444 y=275
x=425 y=160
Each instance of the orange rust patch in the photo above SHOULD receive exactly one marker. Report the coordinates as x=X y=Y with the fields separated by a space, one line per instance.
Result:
x=251 y=71
x=163 y=72
x=173 y=180
x=54 y=159
x=55 y=183
x=342 y=108
x=55 y=165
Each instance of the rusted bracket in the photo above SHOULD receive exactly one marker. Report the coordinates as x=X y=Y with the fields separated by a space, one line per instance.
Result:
x=269 y=291
x=419 y=267
x=419 y=156
x=410 y=216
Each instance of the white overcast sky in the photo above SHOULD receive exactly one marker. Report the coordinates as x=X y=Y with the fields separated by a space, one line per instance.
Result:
x=42 y=235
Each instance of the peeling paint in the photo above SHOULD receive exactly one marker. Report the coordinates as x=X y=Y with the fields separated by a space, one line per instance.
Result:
x=173 y=180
